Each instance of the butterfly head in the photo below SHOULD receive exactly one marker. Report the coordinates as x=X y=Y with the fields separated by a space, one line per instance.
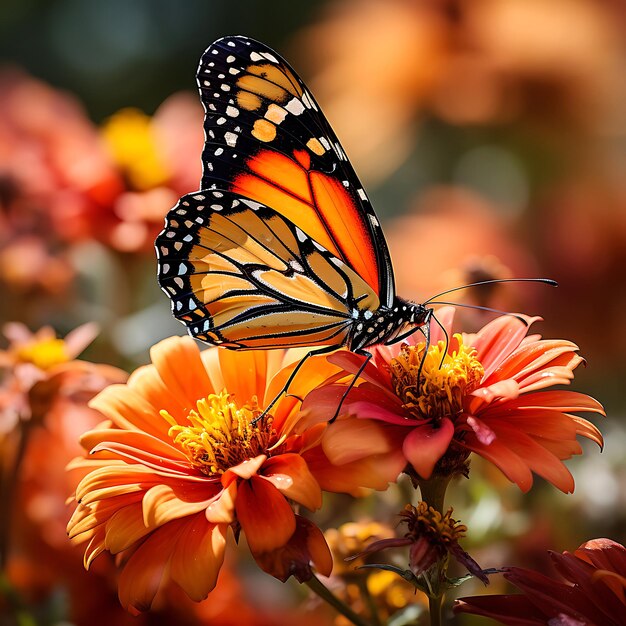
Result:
x=389 y=325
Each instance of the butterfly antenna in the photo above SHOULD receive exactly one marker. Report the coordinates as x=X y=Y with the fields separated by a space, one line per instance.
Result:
x=425 y=330
x=493 y=281
x=480 y=308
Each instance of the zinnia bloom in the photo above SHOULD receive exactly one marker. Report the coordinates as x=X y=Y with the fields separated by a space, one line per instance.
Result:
x=589 y=590
x=484 y=393
x=183 y=458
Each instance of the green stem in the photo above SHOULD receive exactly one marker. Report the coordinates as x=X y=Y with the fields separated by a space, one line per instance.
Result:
x=434 y=491
x=434 y=608
x=316 y=585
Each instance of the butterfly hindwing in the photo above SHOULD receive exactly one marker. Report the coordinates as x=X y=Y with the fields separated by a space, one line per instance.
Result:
x=242 y=275
x=267 y=139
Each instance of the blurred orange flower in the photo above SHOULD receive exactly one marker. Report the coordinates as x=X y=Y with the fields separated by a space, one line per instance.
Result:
x=483 y=393
x=182 y=459
x=589 y=589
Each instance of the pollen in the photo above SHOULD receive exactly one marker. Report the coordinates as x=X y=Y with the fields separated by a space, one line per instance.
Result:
x=44 y=353
x=433 y=385
x=220 y=434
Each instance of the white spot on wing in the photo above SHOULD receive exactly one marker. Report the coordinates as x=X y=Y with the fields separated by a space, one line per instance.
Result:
x=294 y=106
x=231 y=139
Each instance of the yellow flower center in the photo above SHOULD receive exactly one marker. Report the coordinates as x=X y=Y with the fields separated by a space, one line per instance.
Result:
x=433 y=385
x=44 y=353
x=130 y=139
x=220 y=434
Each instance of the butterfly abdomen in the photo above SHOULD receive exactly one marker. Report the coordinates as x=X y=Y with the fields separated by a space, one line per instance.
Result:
x=387 y=324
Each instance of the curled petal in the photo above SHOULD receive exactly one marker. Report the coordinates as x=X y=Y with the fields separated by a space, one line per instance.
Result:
x=290 y=474
x=222 y=509
x=247 y=468
x=425 y=445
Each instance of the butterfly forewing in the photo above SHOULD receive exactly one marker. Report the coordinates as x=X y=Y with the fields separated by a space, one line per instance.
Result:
x=267 y=140
x=242 y=275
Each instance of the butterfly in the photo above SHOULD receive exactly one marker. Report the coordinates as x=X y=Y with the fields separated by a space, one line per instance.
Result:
x=281 y=246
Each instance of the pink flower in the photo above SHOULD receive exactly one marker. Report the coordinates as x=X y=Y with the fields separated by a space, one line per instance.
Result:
x=484 y=393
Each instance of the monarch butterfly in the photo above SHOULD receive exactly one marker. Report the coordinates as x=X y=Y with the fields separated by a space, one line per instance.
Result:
x=281 y=246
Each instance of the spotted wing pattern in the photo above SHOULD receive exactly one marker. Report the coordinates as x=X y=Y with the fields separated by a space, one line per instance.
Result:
x=242 y=275
x=267 y=140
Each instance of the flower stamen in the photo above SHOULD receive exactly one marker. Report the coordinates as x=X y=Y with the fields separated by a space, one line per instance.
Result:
x=221 y=434
x=437 y=390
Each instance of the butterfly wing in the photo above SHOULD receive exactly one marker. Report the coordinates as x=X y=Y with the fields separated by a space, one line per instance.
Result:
x=242 y=275
x=267 y=139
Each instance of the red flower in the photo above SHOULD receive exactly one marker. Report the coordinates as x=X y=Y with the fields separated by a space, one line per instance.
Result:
x=483 y=393
x=589 y=590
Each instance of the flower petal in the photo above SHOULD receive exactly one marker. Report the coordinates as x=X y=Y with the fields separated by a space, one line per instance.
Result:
x=306 y=545
x=425 y=445
x=371 y=472
x=347 y=440
x=142 y=575
x=178 y=362
x=495 y=341
x=265 y=516
x=290 y=474
x=198 y=557
x=164 y=503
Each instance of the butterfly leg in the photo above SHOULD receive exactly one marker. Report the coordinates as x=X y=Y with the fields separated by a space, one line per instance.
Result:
x=367 y=356
x=320 y=351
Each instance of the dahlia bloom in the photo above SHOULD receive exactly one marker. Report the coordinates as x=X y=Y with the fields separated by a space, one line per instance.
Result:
x=183 y=458
x=589 y=590
x=484 y=393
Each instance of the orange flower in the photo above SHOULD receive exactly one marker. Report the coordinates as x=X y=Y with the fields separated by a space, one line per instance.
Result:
x=182 y=459
x=483 y=393
x=590 y=590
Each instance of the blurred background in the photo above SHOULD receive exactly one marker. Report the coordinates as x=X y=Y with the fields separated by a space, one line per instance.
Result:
x=491 y=137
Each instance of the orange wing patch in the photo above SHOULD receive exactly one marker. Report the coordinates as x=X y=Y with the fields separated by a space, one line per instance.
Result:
x=315 y=202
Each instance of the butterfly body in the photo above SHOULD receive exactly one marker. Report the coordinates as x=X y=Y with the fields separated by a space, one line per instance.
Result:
x=281 y=246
